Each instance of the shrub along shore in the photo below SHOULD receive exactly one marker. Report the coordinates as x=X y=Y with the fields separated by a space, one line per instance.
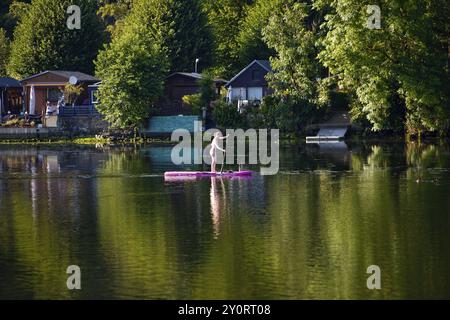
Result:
x=126 y=138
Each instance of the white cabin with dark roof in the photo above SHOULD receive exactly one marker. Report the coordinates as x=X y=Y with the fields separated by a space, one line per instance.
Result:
x=250 y=83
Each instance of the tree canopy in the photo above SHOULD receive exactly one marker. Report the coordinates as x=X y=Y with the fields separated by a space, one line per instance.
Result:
x=225 y=18
x=191 y=36
x=4 y=52
x=113 y=12
x=8 y=14
x=398 y=74
x=133 y=67
x=251 y=45
x=42 y=40
x=293 y=35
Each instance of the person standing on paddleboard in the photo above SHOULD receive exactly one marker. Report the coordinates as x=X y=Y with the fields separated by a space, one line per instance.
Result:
x=215 y=146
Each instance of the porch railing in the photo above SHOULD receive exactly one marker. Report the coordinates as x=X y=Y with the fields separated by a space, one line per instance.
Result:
x=71 y=111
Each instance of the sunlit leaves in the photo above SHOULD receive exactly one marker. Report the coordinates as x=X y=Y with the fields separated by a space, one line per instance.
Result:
x=42 y=40
x=132 y=69
x=399 y=74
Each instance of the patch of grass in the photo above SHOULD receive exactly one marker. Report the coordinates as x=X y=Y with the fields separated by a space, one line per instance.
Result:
x=89 y=141
x=85 y=141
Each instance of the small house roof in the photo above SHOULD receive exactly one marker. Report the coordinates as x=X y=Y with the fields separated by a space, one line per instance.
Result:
x=7 y=82
x=95 y=85
x=194 y=76
x=82 y=77
x=265 y=64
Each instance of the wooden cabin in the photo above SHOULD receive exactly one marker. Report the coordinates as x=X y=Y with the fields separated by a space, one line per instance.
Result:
x=10 y=96
x=176 y=86
x=49 y=86
x=250 y=83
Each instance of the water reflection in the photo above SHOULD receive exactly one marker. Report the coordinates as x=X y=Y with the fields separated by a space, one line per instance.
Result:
x=308 y=232
x=335 y=151
x=218 y=203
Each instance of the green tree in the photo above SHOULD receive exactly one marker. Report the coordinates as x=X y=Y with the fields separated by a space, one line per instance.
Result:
x=187 y=35
x=191 y=37
x=207 y=89
x=8 y=14
x=250 y=38
x=226 y=115
x=4 y=52
x=194 y=101
x=17 y=9
x=293 y=35
x=10 y=11
x=42 y=40
x=225 y=18
x=297 y=77
x=113 y=13
x=72 y=92
x=206 y=95
x=397 y=74
x=133 y=67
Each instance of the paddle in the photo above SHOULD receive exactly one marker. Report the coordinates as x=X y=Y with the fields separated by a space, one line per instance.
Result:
x=221 y=169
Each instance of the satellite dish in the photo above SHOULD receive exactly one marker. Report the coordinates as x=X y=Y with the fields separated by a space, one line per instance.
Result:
x=73 y=80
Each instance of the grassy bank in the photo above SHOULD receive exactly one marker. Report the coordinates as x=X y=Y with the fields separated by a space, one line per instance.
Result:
x=85 y=141
x=284 y=139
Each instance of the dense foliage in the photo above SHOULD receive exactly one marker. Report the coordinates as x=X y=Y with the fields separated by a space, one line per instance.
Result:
x=398 y=74
x=132 y=68
x=293 y=34
x=42 y=40
x=72 y=92
x=227 y=115
x=113 y=12
x=8 y=14
x=225 y=18
x=205 y=97
x=4 y=52
x=395 y=78
x=191 y=36
x=251 y=44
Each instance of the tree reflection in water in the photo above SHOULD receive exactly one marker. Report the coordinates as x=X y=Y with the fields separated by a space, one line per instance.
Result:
x=218 y=203
x=309 y=232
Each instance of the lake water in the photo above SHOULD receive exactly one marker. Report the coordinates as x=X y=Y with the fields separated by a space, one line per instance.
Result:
x=309 y=232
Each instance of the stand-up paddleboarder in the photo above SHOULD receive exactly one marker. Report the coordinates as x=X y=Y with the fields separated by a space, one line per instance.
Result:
x=215 y=146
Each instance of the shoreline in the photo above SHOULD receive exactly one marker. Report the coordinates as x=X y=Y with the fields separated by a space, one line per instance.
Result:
x=80 y=141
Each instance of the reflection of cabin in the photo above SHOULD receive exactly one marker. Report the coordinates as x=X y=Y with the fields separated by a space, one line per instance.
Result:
x=10 y=96
x=49 y=85
x=178 y=85
x=250 y=83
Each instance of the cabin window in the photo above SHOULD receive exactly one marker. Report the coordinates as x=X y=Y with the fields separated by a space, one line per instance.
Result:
x=94 y=96
x=256 y=75
x=54 y=94
x=238 y=94
x=255 y=93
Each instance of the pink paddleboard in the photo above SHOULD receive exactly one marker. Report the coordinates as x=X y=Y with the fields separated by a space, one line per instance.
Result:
x=206 y=174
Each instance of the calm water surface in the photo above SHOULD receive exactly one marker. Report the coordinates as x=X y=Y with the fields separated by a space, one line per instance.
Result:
x=309 y=232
